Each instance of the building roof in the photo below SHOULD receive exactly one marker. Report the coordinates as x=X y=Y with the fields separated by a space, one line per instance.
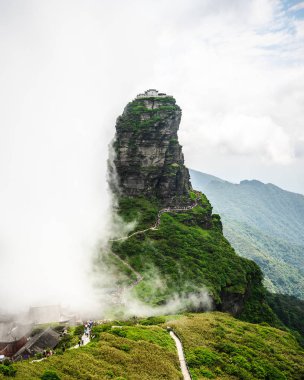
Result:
x=157 y=94
x=48 y=338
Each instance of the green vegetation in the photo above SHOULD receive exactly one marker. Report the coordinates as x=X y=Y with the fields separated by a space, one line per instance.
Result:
x=221 y=347
x=151 y=333
x=50 y=375
x=70 y=339
x=263 y=223
x=195 y=256
x=290 y=310
x=7 y=369
x=138 y=209
x=137 y=115
x=216 y=345
x=116 y=268
x=130 y=353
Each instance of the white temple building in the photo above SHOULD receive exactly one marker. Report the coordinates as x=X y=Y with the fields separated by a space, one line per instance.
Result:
x=152 y=93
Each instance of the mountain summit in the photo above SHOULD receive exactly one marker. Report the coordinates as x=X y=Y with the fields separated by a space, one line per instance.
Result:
x=177 y=249
x=148 y=158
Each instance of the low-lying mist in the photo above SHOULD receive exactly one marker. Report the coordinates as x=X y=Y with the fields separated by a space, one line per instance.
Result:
x=62 y=89
x=54 y=209
x=58 y=215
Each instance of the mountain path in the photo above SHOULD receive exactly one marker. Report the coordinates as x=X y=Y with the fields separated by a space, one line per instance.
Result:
x=156 y=225
x=181 y=356
x=85 y=339
x=139 y=277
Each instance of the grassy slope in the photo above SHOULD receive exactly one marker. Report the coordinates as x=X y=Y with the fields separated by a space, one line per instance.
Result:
x=128 y=353
x=216 y=345
x=220 y=346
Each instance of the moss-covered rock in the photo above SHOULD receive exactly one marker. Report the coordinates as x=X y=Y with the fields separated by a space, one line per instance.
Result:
x=148 y=158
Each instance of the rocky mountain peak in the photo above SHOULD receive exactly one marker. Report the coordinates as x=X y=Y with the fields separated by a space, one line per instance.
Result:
x=148 y=157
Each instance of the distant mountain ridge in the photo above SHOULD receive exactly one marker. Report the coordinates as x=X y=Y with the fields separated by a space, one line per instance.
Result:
x=264 y=223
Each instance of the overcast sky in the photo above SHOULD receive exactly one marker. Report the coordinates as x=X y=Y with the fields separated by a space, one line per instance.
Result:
x=68 y=68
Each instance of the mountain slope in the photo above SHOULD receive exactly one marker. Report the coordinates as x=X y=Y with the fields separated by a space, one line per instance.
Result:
x=181 y=250
x=263 y=223
x=216 y=346
x=219 y=346
x=135 y=352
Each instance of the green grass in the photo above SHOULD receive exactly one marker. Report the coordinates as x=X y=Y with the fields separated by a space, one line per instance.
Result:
x=131 y=353
x=222 y=347
x=216 y=346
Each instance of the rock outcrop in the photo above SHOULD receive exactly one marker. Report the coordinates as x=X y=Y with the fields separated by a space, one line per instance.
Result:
x=148 y=158
x=186 y=249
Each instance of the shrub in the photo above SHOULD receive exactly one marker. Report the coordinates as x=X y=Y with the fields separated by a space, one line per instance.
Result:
x=202 y=356
x=153 y=321
x=206 y=373
x=110 y=374
x=125 y=347
x=119 y=332
x=79 y=330
x=8 y=370
x=66 y=341
x=50 y=375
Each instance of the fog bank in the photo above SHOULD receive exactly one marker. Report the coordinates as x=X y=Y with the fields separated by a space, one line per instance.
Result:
x=67 y=70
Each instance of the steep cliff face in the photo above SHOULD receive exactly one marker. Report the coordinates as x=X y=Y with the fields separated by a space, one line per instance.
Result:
x=148 y=158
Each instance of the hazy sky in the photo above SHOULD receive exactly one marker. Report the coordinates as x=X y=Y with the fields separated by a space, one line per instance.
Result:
x=67 y=69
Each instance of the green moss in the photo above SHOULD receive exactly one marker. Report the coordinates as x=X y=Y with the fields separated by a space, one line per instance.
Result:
x=131 y=119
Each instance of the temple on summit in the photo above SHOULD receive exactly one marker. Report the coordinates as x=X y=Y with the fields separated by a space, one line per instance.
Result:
x=152 y=93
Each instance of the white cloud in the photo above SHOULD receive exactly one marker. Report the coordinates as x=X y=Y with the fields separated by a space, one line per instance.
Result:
x=67 y=70
x=297 y=7
x=248 y=135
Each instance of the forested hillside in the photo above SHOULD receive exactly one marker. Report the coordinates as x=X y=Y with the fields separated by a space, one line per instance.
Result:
x=263 y=223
